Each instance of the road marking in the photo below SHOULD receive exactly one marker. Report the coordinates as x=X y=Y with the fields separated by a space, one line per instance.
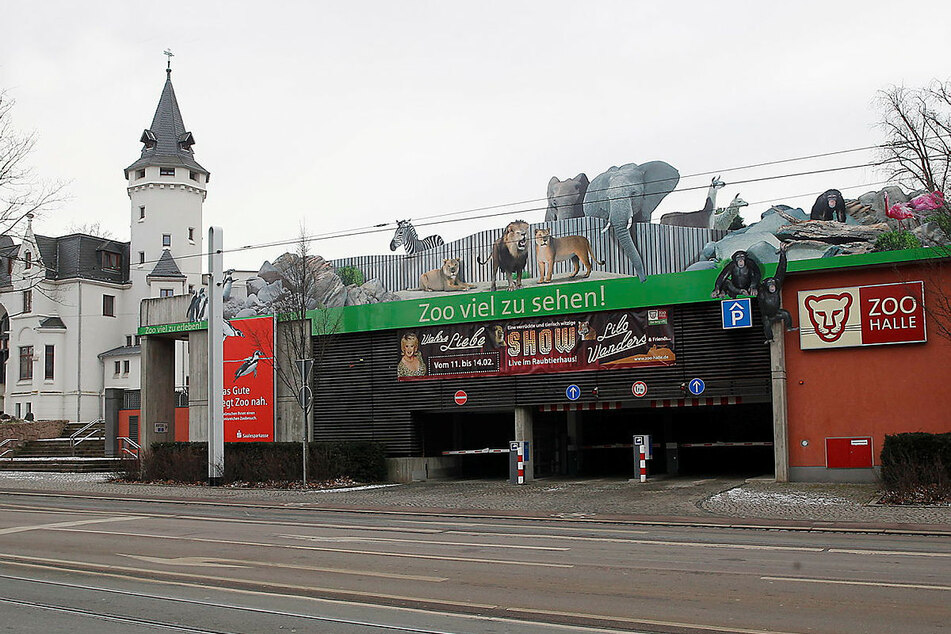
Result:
x=561 y=627
x=66 y=525
x=621 y=619
x=476 y=560
x=658 y=542
x=317 y=538
x=874 y=584
x=903 y=553
x=213 y=562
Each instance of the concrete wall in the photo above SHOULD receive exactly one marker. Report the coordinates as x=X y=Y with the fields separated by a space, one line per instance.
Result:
x=418 y=469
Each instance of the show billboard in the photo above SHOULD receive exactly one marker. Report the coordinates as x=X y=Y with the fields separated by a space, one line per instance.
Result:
x=862 y=316
x=249 y=380
x=592 y=341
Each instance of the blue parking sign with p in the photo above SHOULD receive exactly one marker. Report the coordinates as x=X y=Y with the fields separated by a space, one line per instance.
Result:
x=736 y=313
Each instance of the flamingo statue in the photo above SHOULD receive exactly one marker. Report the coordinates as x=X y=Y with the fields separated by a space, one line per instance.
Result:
x=899 y=211
x=927 y=202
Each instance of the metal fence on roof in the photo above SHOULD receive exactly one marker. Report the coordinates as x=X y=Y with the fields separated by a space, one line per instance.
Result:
x=663 y=248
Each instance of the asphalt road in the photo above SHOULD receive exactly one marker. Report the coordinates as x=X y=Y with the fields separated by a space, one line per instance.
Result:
x=79 y=564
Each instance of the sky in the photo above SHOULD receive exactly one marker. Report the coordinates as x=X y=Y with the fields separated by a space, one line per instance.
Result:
x=345 y=115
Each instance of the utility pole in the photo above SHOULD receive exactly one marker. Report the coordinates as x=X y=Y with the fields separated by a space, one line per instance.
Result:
x=216 y=406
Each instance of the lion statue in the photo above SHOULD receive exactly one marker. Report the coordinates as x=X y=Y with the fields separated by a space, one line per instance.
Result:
x=510 y=254
x=445 y=278
x=549 y=250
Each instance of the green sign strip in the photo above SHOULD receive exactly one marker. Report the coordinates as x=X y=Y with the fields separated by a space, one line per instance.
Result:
x=164 y=329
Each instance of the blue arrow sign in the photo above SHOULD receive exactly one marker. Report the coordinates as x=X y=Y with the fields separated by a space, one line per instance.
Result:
x=736 y=313
x=696 y=387
x=573 y=392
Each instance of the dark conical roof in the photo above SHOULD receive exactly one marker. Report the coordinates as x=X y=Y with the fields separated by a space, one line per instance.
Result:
x=166 y=142
x=166 y=266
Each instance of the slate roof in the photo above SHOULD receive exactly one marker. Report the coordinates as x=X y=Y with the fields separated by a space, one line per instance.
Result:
x=166 y=142
x=78 y=255
x=8 y=251
x=53 y=322
x=166 y=267
x=121 y=351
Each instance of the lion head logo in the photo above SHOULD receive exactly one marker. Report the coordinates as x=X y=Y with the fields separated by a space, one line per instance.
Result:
x=829 y=314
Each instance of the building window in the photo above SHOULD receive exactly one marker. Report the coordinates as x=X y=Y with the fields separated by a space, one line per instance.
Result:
x=139 y=174
x=128 y=341
x=191 y=289
x=117 y=367
x=125 y=368
x=48 y=365
x=9 y=266
x=109 y=305
x=166 y=171
x=142 y=212
x=26 y=363
x=19 y=410
x=29 y=260
x=191 y=234
x=166 y=239
x=166 y=292
x=193 y=175
x=138 y=340
x=28 y=301
x=141 y=257
x=110 y=260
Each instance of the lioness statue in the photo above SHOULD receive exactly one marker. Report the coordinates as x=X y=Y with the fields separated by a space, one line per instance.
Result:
x=549 y=250
x=510 y=254
x=445 y=278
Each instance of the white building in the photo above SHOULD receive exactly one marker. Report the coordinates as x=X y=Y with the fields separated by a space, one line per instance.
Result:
x=69 y=305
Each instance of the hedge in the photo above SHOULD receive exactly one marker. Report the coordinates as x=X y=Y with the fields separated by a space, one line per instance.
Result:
x=917 y=464
x=264 y=462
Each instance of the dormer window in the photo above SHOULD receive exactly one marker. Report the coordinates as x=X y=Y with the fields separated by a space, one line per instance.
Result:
x=148 y=138
x=186 y=141
x=166 y=171
x=110 y=260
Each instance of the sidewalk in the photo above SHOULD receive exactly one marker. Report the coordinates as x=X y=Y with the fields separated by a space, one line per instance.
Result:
x=714 y=501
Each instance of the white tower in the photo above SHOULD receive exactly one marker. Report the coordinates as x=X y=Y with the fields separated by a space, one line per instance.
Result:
x=167 y=188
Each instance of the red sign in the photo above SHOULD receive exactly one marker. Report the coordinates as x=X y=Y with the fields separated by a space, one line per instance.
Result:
x=639 y=389
x=249 y=381
x=461 y=397
x=892 y=313
x=862 y=316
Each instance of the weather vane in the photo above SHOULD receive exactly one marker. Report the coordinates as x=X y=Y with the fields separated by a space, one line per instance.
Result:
x=170 y=55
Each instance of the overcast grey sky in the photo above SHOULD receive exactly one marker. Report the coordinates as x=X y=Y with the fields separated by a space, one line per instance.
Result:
x=349 y=114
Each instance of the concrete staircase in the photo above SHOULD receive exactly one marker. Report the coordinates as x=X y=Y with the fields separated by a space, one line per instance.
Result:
x=80 y=448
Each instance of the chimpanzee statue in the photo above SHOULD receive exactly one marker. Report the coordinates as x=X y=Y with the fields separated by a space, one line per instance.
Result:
x=829 y=204
x=770 y=298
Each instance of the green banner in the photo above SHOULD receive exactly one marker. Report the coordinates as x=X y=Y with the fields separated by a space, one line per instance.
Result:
x=163 y=329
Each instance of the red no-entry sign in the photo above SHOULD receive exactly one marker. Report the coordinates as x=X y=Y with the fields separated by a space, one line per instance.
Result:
x=461 y=397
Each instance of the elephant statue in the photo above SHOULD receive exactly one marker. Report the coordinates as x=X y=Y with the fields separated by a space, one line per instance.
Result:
x=565 y=198
x=628 y=194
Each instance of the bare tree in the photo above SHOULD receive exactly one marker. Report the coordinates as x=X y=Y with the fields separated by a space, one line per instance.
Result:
x=916 y=153
x=91 y=229
x=21 y=192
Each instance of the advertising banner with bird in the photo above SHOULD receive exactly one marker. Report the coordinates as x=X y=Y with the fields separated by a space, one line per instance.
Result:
x=249 y=380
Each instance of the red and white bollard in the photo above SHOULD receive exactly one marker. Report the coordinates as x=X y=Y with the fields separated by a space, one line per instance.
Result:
x=643 y=464
x=521 y=463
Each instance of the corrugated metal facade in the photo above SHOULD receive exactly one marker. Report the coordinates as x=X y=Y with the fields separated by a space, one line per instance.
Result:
x=357 y=395
x=663 y=248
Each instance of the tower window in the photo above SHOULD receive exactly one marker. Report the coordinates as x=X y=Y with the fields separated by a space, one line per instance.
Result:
x=193 y=175
x=28 y=301
x=26 y=363
x=29 y=260
x=141 y=257
x=48 y=366
x=166 y=239
x=139 y=174
x=109 y=305
x=142 y=212
x=191 y=233
x=166 y=292
x=166 y=171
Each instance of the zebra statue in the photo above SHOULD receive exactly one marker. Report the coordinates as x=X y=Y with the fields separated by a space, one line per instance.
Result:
x=406 y=235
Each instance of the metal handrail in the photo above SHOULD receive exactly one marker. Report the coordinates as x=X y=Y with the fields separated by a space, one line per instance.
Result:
x=74 y=438
x=6 y=442
x=125 y=440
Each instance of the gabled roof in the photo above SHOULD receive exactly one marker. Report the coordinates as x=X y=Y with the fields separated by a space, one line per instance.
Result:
x=166 y=267
x=166 y=142
x=121 y=351
x=53 y=322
